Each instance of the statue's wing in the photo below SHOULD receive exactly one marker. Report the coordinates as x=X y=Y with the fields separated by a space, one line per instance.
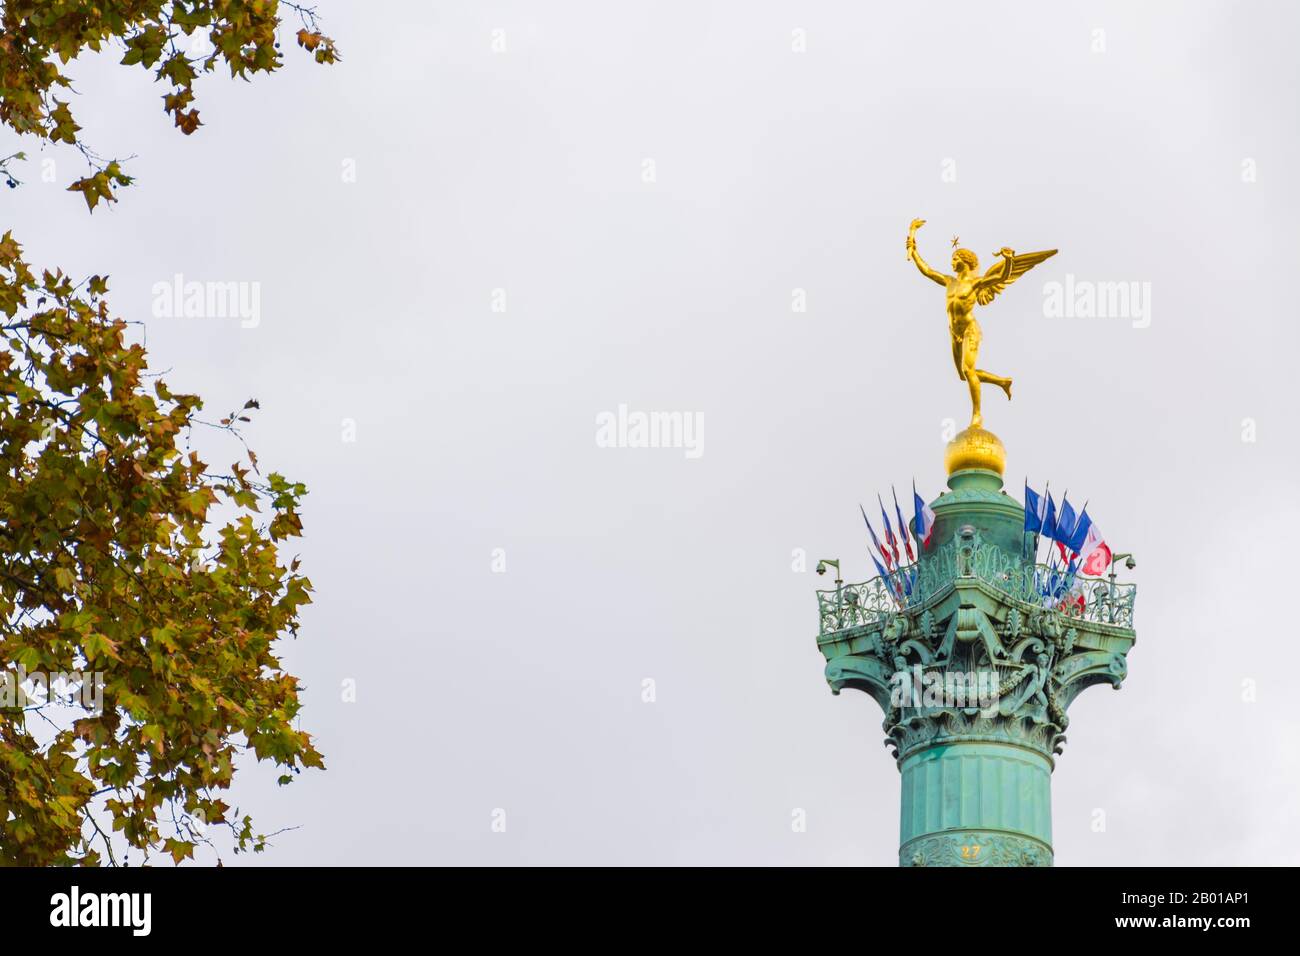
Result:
x=1020 y=264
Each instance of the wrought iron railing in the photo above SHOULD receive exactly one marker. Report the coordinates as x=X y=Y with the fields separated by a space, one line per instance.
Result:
x=1099 y=600
x=853 y=605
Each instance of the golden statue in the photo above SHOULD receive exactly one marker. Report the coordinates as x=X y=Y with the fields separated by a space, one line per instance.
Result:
x=973 y=447
x=965 y=289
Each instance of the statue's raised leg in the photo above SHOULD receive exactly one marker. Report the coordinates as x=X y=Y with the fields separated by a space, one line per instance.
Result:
x=998 y=380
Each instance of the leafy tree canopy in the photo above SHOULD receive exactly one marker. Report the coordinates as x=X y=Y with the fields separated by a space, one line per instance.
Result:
x=40 y=38
x=110 y=562
x=122 y=555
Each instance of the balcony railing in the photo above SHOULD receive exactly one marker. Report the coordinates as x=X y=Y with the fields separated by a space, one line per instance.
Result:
x=1099 y=600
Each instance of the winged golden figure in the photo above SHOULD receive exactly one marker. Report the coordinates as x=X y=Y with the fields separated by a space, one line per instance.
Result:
x=964 y=289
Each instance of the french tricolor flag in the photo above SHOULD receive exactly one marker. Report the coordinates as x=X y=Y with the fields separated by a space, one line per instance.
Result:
x=884 y=553
x=924 y=521
x=902 y=526
x=1098 y=552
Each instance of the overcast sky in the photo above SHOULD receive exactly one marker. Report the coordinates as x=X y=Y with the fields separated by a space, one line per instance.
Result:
x=642 y=188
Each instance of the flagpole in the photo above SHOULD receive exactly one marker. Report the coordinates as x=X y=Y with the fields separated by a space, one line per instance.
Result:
x=1047 y=496
x=1047 y=504
x=1024 y=544
x=1065 y=499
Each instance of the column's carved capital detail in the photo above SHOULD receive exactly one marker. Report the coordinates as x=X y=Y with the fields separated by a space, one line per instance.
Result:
x=971 y=659
x=948 y=726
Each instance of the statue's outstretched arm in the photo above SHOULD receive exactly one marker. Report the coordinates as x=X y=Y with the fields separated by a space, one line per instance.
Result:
x=915 y=256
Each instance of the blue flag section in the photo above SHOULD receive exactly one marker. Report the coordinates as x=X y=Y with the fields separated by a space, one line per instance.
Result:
x=1080 y=533
x=1064 y=522
x=1033 y=510
x=909 y=579
x=1049 y=520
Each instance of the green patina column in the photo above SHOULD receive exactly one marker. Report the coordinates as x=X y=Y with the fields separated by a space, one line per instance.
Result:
x=973 y=672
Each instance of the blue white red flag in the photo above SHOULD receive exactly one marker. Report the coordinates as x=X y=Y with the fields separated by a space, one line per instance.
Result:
x=889 y=533
x=1097 y=556
x=924 y=522
x=874 y=540
x=902 y=529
